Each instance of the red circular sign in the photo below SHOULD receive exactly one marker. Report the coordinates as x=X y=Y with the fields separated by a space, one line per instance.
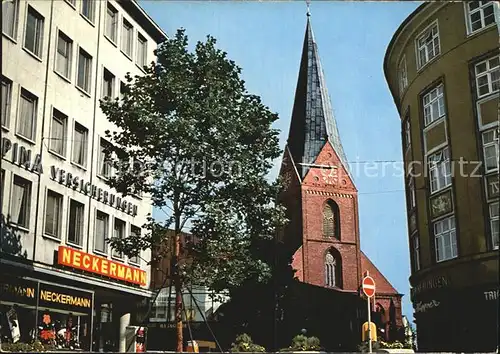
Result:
x=368 y=286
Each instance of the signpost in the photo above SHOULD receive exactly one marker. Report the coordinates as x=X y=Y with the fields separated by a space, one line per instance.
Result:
x=368 y=286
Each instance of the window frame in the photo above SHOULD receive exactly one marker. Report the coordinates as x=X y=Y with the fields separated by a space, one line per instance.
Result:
x=415 y=248
x=63 y=118
x=402 y=79
x=119 y=256
x=15 y=25
x=111 y=8
x=7 y=108
x=26 y=199
x=91 y=19
x=493 y=143
x=136 y=260
x=60 y=201
x=439 y=166
x=440 y=98
x=89 y=58
x=39 y=31
x=105 y=83
x=25 y=94
x=130 y=31
x=142 y=42
x=442 y=234
x=70 y=222
x=412 y=192
x=406 y=134
x=468 y=13
x=422 y=34
x=488 y=75
x=69 y=43
x=85 y=145
x=106 y=229
x=102 y=161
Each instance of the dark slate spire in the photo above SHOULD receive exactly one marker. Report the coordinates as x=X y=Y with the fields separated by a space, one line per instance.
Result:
x=312 y=122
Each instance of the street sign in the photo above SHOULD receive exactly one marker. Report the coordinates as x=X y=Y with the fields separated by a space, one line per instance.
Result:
x=368 y=285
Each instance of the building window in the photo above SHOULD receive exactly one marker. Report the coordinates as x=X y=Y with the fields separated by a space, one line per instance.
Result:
x=136 y=232
x=84 y=67
x=428 y=45
x=123 y=89
x=488 y=76
x=108 y=84
x=142 y=46
x=104 y=159
x=332 y=269
x=491 y=150
x=445 y=238
x=26 y=125
x=58 y=133
x=439 y=170
x=63 y=54
x=80 y=136
x=20 y=202
x=75 y=228
x=433 y=103
x=53 y=208
x=494 y=225
x=119 y=233
x=6 y=101
x=2 y=187
x=88 y=9
x=127 y=34
x=10 y=11
x=331 y=219
x=402 y=75
x=101 y=231
x=480 y=14
x=34 y=32
x=406 y=134
x=415 y=245
x=111 y=22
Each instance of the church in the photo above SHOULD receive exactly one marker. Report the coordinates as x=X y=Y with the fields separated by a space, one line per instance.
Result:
x=322 y=237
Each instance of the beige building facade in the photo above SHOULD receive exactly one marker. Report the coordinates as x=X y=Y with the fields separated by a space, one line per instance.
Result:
x=443 y=70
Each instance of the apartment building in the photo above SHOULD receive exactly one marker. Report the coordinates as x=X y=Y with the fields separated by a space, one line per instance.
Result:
x=59 y=58
x=443 y=69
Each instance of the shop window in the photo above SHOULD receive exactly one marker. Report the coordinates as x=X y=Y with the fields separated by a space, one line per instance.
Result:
x=20 y=202
x=76 y=222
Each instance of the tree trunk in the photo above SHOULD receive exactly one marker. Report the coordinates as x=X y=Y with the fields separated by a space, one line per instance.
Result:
x=178 y=293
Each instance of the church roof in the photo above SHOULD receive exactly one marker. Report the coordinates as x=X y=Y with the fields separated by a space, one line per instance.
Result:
x=382 y=285
x=313 y=123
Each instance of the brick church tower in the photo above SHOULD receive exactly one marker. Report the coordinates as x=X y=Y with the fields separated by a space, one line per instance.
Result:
x=321 y=198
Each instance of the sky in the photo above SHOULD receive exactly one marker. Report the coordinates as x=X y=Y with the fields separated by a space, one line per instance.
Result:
x=265 y=39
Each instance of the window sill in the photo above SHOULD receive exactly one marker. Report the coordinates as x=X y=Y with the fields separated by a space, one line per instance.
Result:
x=28 y=140
x=62 y=157
x=32 y=54
x=62 y=76
x=5 y=128
x=83 y=91
x=483 y=98
x=9 y=37
x=101 y=253
x=137 y=265
x=87 y=19
x=79 y=166
x=446 y=260
x=104 y=178
x=430 y=61
x=434 y=123
x=70 y=4
x=74 y=245
x=141 y=68
x=442 y=190
x=118 y=258
x=127 y=55
x=19 y=227
x=111 y=41
x=52 y=238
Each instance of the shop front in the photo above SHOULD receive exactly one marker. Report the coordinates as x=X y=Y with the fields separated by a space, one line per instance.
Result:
x=54 y=314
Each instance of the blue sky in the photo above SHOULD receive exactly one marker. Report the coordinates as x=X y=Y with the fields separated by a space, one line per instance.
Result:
x=265 y=39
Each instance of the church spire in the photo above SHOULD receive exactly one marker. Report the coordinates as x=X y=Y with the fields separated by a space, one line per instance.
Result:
x=313 y=123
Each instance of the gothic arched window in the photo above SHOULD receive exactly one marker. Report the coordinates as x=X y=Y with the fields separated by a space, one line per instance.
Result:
x=333 y=269
x=331 y=220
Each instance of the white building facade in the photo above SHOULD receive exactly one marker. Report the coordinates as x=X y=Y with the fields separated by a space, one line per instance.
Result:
x=59 y=58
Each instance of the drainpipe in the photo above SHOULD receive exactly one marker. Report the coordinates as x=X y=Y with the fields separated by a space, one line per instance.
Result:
x=49 y=49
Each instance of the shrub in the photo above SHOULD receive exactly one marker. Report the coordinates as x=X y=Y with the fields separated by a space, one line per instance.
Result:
x=19 y=347
x=244 y=343
x=302 y=343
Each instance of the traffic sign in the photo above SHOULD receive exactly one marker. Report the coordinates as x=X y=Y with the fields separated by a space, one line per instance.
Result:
x=368 y=285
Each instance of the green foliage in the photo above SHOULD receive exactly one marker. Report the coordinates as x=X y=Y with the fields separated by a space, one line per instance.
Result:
x=303 y=343
x=244 y=343
x=202 y=146
x=392 y=345
x=35 y=347
x=364 y=347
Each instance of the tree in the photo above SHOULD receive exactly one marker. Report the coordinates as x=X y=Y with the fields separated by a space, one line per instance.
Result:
x=201 y=146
